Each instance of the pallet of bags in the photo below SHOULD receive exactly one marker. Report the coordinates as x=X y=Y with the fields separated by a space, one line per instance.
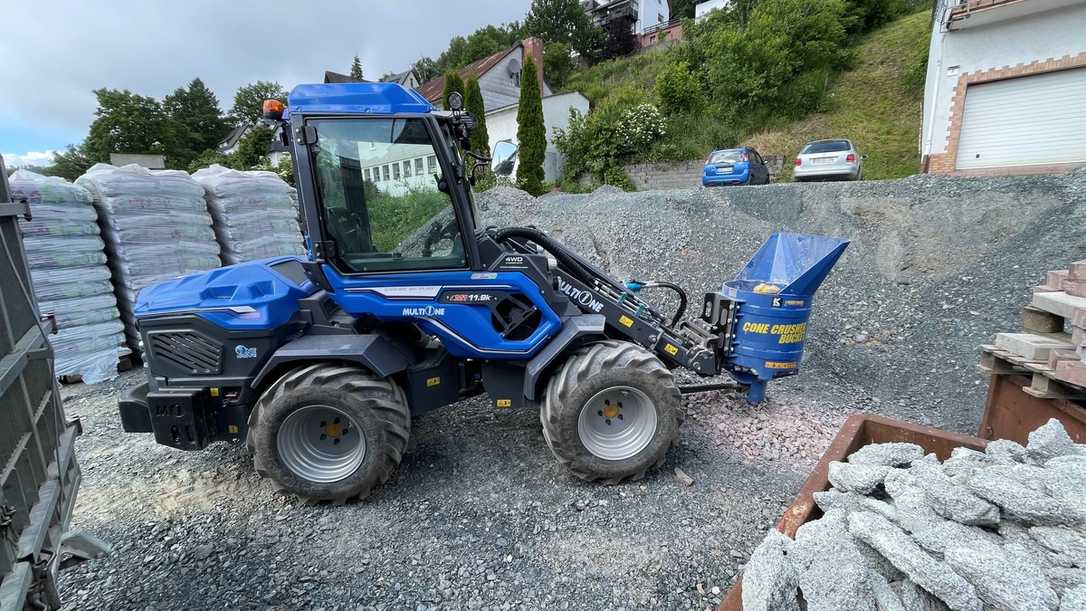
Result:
x=253 y=213
x=155 y=226
x=71 y=279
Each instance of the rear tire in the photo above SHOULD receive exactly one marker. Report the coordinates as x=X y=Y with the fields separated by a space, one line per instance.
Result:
x=611 y=412
x=329 y=432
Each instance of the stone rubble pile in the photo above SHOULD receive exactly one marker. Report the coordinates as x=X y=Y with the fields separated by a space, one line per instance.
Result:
x=1002 y=529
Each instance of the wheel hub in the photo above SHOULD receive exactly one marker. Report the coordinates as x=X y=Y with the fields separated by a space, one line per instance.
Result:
x=321 y=444
x=617 y=423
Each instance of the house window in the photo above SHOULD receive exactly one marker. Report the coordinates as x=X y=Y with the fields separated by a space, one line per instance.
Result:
x=395 y=171
x=369 y=177
x=432 y=163
x=384 y=172
x=407 y=169
x=418 y=166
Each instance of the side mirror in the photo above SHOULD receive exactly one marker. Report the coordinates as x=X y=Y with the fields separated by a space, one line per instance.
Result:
x=504 y=158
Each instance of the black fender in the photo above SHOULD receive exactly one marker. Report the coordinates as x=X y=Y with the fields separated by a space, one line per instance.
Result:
x=383 y=356
x=575 y=329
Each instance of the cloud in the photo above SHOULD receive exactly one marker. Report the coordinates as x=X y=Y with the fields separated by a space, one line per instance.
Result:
x=52 y=60
x=33 y=158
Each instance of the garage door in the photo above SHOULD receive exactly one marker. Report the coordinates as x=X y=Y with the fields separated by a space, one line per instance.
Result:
x=1030 y=120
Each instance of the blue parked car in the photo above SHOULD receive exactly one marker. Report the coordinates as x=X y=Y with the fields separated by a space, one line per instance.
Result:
x=741 y=166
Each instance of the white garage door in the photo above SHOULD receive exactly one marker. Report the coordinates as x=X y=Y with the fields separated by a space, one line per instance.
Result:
x=1030 y=120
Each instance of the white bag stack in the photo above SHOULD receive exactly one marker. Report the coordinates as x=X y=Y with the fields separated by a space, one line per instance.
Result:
x=155 y=225
x=71 y=279
x=254 y=216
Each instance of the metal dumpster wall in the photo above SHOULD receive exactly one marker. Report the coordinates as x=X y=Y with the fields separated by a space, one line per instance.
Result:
x=38 y=473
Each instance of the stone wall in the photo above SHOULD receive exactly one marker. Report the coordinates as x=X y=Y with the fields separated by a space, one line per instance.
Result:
x=682 y=174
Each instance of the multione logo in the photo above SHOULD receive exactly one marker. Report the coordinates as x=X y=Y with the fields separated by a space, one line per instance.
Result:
x=579 y=296
x=426 y=311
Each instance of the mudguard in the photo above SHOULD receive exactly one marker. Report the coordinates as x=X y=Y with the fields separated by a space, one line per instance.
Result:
x=575 y=328
x=382 y=356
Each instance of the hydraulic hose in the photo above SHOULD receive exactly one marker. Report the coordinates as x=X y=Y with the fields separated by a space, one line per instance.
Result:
x=636 y=286
x=574 y=264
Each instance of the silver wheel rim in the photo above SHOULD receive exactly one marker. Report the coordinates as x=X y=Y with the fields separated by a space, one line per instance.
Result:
x=617 y=423
x=321 y=444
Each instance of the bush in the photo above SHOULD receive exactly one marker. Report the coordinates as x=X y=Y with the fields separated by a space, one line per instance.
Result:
x=678 y=90
x=599 y=144
x=640 y=127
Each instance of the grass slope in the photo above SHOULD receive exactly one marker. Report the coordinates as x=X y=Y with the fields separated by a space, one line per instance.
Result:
x=876 y=104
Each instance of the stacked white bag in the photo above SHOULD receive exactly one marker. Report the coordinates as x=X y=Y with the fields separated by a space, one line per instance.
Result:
x=254 y=216
x=70 y=276
x=155 y=225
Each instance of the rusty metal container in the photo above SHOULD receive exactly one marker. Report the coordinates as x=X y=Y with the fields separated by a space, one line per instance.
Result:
x=1011 y=413
x=859 y=430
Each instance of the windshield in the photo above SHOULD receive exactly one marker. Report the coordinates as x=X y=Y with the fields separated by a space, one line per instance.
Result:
x=826 y=146
x=731 y=156
x=378 y=184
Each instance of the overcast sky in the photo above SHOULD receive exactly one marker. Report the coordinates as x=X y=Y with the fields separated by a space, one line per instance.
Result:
x=53 y=53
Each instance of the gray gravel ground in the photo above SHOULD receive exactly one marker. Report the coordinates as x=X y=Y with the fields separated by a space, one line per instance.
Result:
x=480 y=516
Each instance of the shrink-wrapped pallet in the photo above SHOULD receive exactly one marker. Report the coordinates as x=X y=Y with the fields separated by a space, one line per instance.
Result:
x=71 y=280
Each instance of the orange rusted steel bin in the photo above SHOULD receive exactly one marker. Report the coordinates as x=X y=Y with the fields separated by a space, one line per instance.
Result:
x=858 y=431
x=1011 y=413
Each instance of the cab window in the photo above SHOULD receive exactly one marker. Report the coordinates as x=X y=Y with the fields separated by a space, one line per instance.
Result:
x=384 y=221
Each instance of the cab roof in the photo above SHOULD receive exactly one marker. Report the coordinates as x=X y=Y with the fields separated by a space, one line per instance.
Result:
x=356 y=98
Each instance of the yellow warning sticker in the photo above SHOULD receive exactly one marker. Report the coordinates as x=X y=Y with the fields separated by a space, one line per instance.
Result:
x=625 y=320
x=232 y=429
x=214 y=392
x=504 y=403
x=671 y=349
x=432 y=382
x=780 y=365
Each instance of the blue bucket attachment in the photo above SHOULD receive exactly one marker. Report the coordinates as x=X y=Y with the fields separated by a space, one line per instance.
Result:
x=773 y=294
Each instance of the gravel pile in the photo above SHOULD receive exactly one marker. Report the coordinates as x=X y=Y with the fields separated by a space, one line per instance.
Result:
x=937 y=265
x=999 y=529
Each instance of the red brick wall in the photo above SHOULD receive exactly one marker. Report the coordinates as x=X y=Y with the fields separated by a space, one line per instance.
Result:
x=533 y=49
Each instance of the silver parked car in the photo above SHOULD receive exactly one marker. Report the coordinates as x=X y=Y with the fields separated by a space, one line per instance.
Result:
x=829 y=160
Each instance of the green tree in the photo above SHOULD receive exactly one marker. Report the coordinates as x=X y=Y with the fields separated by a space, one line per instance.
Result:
x=678 y=89
x=485 y=41
x=127 y=123
x=427 y=69
x=252 y=148
x=70 y=163
x=356 y=68
x=564 y=21
x=866 y=15
x=531 y=133
x=209 y=158
x=249 y=101
x=198 y=121
x=453 y=82
x=473 y=103
x=557 y=63
x=683 y=9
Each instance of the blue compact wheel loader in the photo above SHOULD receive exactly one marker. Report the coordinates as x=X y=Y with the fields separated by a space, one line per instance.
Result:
x=405 y=304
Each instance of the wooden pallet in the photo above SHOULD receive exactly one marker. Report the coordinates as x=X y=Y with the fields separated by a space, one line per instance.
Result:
x=1044 y=383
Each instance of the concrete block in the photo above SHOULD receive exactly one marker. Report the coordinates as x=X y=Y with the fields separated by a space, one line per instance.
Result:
x=1068 y=546
x=929 y=573
x=1072 y=372
x=1004 y=578
x=937 y=537
x=963 y=461
x=895 y=454
x=859 y=478
x=1049 y=441
x=1064 y=579
x=1005 y=451
x=1056 y=277
x=951 y=501
x=916 y=598
x=1065 y=355
x=1078 y=318
x=1060 y=304
x=910 y=502
x=1029 y=346
x=1074 y=600
x=1077 y=270
x=885 y=597
x=1039 y=321
x=769 y=579
x=1076 y=288
x=1002 y=486
x=831 y=572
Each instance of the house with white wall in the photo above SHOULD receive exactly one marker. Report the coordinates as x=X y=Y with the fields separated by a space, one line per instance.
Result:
x=703 y=9
x=646 y=15
x=501 y=124
x=1005 y=90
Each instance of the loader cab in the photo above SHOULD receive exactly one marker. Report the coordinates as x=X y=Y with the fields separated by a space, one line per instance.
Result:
x=381 y=179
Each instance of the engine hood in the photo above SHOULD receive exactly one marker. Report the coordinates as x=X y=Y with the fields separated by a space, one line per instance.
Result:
x=255 y=295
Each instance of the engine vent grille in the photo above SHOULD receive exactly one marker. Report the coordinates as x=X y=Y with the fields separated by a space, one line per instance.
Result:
x=187 y=350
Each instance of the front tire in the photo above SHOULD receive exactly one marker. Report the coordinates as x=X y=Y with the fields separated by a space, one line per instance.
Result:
x=329 y=432
x=611 y=412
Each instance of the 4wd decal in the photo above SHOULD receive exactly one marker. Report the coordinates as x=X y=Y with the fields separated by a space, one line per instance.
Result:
x=423 y=311
x=579 y=296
